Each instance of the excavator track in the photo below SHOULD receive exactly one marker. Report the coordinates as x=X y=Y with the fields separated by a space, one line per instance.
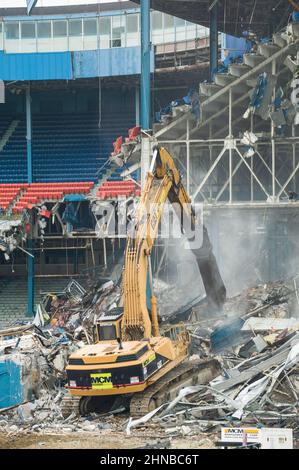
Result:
x=161 y=392
x=69 y=405
x=83 y=406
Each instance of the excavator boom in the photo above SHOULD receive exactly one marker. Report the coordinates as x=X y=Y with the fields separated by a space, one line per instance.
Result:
x=163 y=183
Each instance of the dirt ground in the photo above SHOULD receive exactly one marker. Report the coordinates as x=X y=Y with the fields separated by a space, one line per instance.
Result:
x=93 y=441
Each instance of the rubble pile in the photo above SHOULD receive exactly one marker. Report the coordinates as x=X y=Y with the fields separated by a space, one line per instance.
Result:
x=35 y=360
x=44 y=416
x=255 y=340
x=11 y=235
x=260 y=391
x=77 y=310
x=34 y=357
x=274 y=299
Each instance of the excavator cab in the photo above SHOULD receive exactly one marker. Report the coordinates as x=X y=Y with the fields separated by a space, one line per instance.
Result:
x=108 y=328
x=177 y=333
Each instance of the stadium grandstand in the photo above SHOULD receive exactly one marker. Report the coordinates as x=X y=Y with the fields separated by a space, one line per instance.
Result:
x=72 y=81
x=73 y=126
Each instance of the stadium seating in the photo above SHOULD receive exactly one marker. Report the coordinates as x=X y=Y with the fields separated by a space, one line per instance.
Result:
x=65 y=148
x=9 y=193
x=38 y=192
x=114 y=189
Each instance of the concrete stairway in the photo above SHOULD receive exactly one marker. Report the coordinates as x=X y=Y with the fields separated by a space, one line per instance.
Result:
x=13 y=296
x=240 y=80
x=104 y=175
x=8 y=133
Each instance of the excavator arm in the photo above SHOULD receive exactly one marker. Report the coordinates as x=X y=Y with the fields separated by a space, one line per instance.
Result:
x=163 y=183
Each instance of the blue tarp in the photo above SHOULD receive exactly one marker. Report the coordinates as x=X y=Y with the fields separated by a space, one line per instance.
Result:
x=74 y=198
x=236 y=46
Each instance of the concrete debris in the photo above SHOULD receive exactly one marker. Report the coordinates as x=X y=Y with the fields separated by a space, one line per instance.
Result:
x=132 y=423
x=11 y=236
x=255 y=339
x=266 y=324
x=75 y=311
x=261 y=390
x=31 y=360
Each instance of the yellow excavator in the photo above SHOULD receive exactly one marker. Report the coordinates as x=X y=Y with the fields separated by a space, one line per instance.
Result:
x=131 y=362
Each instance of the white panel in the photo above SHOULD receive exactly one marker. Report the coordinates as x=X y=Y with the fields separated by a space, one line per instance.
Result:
x=123 y=39
x=105 y=42
x=90 y=43
x=28 y=45
x=157 y=37
x=60 y=44
x=133 y=39
x=45 y=45
x=180 y=34
x=203 y=32
x=169 y=35
x=191 y=31
x=12 y=45
x=76 y=44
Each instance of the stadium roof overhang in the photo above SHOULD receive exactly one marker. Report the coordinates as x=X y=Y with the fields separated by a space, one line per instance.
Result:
x=235 y=16
x=69 y=9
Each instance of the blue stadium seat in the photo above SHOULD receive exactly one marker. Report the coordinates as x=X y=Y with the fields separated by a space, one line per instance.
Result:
x=64 y=147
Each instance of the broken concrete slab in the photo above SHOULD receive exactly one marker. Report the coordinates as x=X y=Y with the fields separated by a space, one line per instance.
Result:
x=265 y=324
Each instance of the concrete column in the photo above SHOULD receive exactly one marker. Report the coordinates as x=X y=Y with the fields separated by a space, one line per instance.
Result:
x=29 y=136
x=273 y=147
x=230 y=147
x=188 y=156
x=146 y=153
x=30 y=268
x=145 y=65
x=137 y=106
x=213 y=37
x=30 y=243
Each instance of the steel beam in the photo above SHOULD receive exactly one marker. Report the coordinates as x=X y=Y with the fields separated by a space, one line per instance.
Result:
x=288 y=180
x=137 y=106
x=213 y=39
x=209 y=173
x=30 y=277
x=230 y=124
x=30 y=243
x=29 y=135
x=145 y=66
x=188 y=156
x=253 y=174
x=273 y=137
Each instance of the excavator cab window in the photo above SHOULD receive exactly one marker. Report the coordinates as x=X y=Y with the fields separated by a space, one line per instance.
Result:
x=107 y=331
x=174 y=332
x=171 y=333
